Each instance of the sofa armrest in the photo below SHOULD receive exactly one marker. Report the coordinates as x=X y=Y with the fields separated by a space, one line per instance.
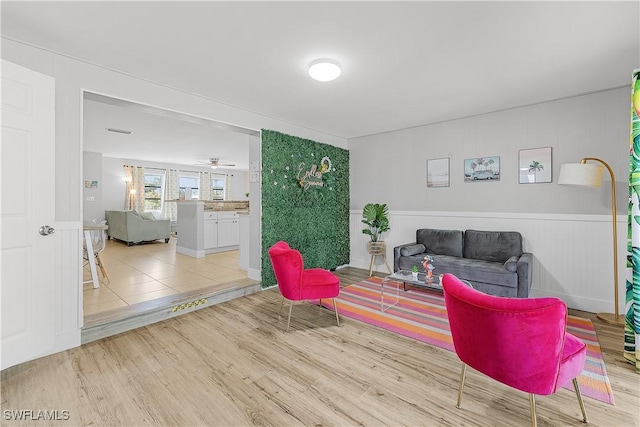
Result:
x=396 y=255
x=525 y=273
x=117 y=224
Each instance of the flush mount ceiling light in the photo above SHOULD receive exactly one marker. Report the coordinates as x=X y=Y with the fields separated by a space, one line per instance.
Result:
x=324 y=70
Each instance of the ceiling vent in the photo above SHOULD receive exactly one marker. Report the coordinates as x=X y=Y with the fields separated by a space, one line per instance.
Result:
x=126 y=132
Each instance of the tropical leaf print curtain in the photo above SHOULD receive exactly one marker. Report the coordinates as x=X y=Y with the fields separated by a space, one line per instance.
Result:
x=632 y=306
x=205 y=186
x=134 y=197
x=171 y=192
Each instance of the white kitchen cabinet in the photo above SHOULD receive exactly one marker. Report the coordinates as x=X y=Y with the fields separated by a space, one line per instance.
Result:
x=228 y=229
x=202 y=232
x=210 y=230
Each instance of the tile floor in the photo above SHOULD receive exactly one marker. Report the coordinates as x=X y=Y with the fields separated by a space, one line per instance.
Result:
x=144 y=272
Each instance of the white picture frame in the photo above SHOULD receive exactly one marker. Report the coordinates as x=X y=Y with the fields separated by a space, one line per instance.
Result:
x=438 y=172
x=482 y=169
x=535 y=166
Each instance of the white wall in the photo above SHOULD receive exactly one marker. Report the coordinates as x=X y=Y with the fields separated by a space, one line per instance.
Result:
x=92 y=197
x=114 y=187
x=391 y=167
x=568 y=229
x=71 y=78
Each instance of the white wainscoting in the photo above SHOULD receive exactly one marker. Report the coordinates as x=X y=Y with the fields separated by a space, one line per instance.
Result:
x=68 y=285
x=573 y=254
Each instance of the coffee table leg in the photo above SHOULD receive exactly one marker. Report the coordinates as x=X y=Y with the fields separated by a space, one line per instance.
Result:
x=382 y=307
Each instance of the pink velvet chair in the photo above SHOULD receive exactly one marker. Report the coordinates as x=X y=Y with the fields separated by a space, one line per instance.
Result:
x=520 y=342
x=298 y=284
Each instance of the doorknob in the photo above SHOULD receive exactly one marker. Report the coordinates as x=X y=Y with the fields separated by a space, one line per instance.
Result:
x=45 y=230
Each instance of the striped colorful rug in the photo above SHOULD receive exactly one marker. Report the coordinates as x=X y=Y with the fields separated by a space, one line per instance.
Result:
x=421 y=315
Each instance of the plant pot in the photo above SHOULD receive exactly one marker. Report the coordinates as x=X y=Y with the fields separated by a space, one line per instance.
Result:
x=377 y=248
x=414 y=275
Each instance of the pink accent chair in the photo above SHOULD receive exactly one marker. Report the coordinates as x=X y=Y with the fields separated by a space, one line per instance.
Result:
x=520 y=342
x=298 y=284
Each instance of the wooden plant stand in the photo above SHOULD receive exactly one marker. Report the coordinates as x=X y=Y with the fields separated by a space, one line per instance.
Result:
x=377 y=249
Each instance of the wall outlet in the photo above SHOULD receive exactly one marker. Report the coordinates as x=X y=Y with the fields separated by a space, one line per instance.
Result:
x=91 y=199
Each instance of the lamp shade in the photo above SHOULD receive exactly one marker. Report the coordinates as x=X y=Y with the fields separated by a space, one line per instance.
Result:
x=584 y=174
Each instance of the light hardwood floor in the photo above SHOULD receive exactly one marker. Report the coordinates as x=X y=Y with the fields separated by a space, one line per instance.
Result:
x=232 y=364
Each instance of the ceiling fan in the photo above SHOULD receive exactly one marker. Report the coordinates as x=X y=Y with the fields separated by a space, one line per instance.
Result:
x=215 y=163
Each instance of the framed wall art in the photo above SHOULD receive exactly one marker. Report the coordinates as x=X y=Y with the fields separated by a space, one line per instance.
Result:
x=482 y=169
x=438 y=172
x=534 y=165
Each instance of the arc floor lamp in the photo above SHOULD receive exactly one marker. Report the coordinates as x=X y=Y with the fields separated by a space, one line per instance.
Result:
x=590 y=175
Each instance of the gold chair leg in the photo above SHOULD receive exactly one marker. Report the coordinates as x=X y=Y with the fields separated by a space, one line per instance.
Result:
x=335 y=308
x=463 y=374
x=532 y=406
x=281 y=304
x=289 y=318
x=576 y=387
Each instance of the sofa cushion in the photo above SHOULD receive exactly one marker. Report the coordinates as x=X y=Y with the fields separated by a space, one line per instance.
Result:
x=441 y=242
x=479 y=271
x=412 y=250
x=492 y=246
x=131 y=228
x=467 y=269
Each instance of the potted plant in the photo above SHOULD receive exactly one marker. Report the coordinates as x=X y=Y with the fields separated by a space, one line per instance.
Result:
x=375 y=217
x=414 y=272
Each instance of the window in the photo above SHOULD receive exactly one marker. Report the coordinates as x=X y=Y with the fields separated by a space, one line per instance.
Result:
x=189 y=187
x=153 y=191
x=217 y=187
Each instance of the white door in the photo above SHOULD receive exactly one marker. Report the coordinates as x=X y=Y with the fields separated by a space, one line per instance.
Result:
x=27 y=156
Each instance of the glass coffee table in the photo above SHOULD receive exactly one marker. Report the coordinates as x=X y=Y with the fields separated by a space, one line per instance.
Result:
x=406 y=278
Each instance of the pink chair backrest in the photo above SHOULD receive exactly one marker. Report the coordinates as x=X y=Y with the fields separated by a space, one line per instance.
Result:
x=517 y=341
x=287 y=266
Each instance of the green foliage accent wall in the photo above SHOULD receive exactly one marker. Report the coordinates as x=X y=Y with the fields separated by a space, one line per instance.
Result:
x=305 y=200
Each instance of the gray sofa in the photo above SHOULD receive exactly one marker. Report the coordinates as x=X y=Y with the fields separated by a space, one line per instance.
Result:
x=492 y=261
x=131 y=227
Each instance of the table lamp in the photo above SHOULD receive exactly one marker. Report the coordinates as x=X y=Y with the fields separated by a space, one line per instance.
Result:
x=590 y=175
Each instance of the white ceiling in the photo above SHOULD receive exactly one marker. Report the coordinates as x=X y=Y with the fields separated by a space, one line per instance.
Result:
x=404 y=64
x=159 y=135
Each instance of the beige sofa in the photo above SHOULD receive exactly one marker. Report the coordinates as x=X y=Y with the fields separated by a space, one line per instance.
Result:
x=131 y=227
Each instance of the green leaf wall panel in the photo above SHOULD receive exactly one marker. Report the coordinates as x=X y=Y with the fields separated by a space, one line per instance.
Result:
x=305 y=200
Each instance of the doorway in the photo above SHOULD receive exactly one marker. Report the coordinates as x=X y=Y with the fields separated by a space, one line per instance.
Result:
x=118 y=132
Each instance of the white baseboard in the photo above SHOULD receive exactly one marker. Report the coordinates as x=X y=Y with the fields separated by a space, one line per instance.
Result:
x=63 y=341
x=190 y=252
x=254 y=274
